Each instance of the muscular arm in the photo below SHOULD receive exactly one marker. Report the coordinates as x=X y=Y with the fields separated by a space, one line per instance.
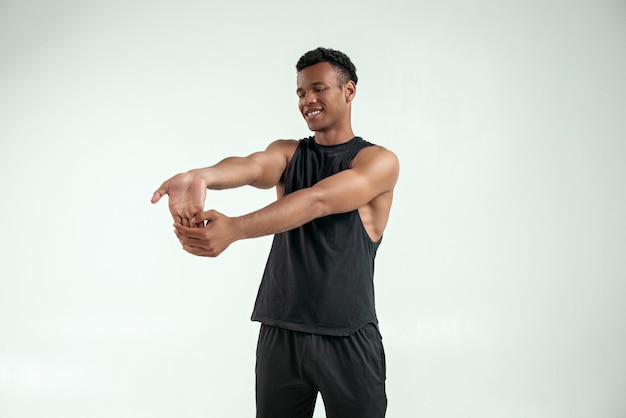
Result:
x=261 y=169
x=187 y=191
x=374 y=172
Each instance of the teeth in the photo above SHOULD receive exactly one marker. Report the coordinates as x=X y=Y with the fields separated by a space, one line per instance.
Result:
x=316 y=112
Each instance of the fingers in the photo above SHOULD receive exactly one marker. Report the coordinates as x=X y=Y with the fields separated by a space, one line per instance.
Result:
x=208 y=216
x=184 y=219
x=200 y=251
x=189 y=220
x=184 y=231
x=194 y=241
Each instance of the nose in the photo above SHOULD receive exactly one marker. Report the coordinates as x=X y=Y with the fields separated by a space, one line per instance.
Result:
x=308 y=98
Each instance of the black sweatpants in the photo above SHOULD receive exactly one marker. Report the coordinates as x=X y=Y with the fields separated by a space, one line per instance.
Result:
x=292 y=367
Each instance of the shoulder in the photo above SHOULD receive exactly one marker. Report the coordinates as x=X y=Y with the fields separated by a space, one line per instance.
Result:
x=281 y=151
x=377 y=164
x=283 y=146
x=378 y=156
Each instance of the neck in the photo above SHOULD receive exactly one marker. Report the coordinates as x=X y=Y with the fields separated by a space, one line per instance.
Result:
x=334 y=137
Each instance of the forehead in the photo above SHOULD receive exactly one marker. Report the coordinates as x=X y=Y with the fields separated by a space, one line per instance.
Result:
x=322 y=72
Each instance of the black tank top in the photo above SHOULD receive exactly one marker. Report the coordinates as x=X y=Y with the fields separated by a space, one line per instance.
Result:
x=319 y=277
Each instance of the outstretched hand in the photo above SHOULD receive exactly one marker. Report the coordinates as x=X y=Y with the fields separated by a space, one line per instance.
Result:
x=187 y=193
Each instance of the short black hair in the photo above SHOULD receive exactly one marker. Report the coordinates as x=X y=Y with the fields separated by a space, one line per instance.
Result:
x=340 y=61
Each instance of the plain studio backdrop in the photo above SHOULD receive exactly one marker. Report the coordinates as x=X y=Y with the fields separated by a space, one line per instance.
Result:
x=501 y=280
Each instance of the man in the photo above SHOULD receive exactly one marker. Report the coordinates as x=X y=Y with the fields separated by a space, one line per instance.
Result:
x=319 y=331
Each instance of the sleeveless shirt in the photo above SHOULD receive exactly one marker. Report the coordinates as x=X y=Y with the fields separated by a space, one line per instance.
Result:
x=319 y=277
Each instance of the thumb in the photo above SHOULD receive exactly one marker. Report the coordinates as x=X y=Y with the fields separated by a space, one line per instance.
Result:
x=159 y=193
x=156 y=196
x=208 y=216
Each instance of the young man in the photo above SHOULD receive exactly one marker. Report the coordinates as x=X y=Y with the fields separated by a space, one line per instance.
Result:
x=319 y=331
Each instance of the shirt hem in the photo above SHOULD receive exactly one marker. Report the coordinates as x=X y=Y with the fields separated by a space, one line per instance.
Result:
x=334 y=332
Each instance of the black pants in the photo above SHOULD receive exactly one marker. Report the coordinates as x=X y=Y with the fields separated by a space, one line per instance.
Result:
x=292 y=367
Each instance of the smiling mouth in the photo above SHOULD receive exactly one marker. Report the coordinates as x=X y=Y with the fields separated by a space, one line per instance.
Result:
x=312 y=114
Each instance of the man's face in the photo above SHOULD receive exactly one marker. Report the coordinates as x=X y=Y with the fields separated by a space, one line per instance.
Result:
x=322 y=102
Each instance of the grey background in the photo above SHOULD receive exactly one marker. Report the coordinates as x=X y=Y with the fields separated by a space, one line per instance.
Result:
x=501 y=277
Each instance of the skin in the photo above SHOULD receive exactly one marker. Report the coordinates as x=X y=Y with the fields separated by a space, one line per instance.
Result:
x=367 y=186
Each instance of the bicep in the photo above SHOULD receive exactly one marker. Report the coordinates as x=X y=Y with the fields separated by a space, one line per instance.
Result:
x=373 y=173
x=271 y=163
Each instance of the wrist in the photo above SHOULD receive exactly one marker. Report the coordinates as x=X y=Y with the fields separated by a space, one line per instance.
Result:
x=200 y=174
x=239 y=228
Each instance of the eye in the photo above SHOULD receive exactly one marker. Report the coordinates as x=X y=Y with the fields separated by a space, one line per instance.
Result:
x=320 y=89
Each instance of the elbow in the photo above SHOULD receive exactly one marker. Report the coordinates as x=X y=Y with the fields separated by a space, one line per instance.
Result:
x=257 y=178
x=318 y=206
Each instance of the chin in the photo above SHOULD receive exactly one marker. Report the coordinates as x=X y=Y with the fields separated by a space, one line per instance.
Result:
x=313 y=127
x=317 y=126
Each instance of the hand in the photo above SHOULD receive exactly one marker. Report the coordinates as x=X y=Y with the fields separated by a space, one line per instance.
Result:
x=187 y=193
x=211 y=238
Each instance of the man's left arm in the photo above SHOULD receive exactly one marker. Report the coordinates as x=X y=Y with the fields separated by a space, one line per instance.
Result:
x=374 y=171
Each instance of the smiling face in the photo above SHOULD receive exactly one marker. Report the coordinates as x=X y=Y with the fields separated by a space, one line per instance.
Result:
x=323 y=102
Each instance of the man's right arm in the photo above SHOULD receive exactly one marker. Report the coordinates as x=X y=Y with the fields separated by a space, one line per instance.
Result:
x=187 y=191
x=262 y=169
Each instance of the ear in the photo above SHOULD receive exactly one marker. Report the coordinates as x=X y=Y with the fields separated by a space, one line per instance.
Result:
x=349 y=90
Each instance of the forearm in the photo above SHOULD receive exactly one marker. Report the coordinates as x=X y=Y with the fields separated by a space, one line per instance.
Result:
x=286 y=213
x=229 y=173
x=219 y=231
